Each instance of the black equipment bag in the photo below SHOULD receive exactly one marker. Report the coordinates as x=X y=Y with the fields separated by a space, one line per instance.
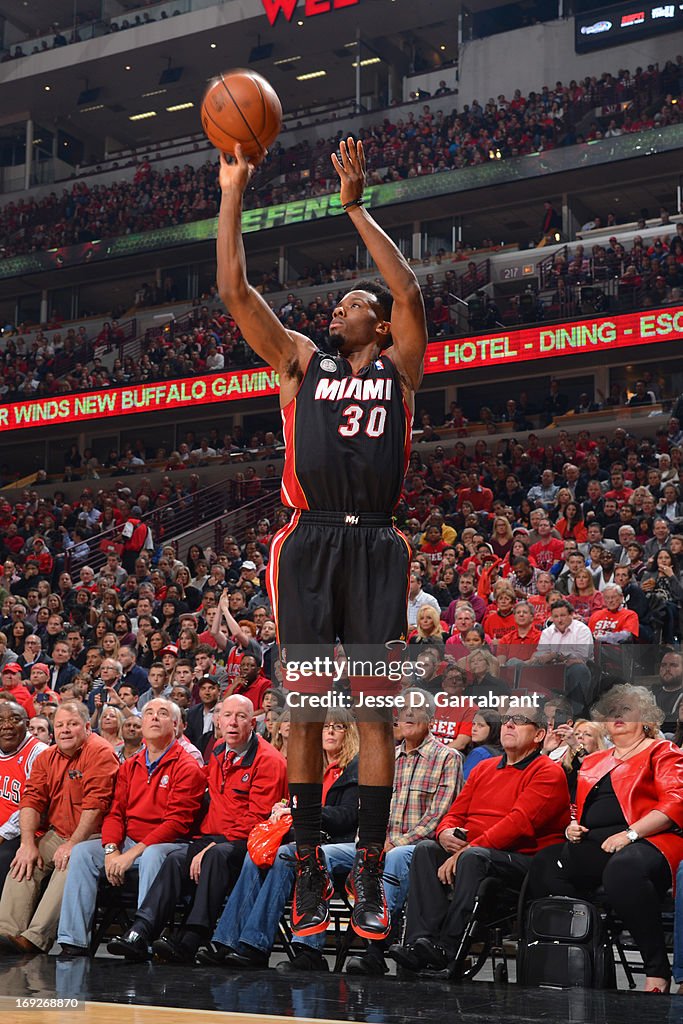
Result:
x=565 y=945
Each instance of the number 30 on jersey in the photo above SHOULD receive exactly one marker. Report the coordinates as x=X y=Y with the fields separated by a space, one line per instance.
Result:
x=372 y=424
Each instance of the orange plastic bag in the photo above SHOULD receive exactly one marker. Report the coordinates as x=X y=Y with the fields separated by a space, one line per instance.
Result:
x=265 y=840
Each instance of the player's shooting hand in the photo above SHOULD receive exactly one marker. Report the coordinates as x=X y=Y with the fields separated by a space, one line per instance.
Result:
x=351 y=170
x=234 y=173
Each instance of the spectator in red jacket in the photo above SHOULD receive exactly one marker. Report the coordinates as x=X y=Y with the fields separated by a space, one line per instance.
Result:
x=157 y=800
x=509 y=809
x=251 y=682
x=520 y=643
x=480 y=497
x=11 y=683
x=246 y=778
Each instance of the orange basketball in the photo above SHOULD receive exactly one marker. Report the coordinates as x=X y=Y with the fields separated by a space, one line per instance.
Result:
x=241 y=106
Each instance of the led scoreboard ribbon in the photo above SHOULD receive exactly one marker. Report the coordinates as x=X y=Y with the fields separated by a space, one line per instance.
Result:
x=543 y=341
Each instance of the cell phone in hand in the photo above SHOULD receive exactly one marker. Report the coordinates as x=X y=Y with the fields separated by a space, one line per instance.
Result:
x=560 y=719
x=461 y=834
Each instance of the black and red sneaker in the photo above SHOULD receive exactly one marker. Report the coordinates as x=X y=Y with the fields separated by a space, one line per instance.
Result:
x=365 y=888
x=312 y=892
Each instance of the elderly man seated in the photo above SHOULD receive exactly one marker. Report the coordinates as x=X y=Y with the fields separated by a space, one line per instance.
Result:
x=509 y=809
x=246 y=777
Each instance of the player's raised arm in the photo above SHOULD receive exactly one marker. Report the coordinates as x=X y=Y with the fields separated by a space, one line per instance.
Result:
x=408 y=321
x=262 y=330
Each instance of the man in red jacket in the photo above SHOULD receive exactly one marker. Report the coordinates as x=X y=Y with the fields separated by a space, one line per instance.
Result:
x=12 y=683
x=246 y=777
x=157 y=802
x=521 y=642
x=509 y=809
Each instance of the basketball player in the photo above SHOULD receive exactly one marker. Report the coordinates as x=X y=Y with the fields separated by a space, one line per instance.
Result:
x=339 y=569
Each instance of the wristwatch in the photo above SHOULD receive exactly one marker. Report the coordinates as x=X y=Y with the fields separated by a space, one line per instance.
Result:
x=632 y=835
x=110 y=848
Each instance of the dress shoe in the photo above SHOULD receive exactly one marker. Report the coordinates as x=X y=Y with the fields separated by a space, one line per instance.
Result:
x=14 y=944
x=432 y=954
x=255 y=961
x=370 y=964
x=406 y=956
x=212 y=954
x=70 y=952
x=306 y=960
x=134 y=945
x=167 y=950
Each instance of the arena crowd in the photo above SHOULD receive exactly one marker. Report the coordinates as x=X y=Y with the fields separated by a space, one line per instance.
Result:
x=397 y=148
x=546 y=569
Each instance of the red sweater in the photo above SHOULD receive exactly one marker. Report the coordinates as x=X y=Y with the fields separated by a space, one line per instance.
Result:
x=521 y=810
x=497 y=625
x=512 y=645
x=252 y=784
x=161 y=810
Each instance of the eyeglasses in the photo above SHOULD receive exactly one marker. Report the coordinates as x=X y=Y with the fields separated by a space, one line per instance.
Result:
x=517 y=720
x=335 y=726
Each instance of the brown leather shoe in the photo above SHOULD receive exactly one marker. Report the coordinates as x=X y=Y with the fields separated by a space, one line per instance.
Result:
x=18 y=944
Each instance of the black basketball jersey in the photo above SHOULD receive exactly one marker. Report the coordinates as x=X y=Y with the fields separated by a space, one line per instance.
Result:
x=347 y=438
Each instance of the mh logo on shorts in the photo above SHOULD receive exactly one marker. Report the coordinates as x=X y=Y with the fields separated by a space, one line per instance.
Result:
x=351 y=520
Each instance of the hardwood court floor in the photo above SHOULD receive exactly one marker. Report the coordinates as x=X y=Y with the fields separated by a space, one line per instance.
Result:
x=119 y=993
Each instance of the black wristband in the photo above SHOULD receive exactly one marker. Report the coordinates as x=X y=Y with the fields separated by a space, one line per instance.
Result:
x=354 y=202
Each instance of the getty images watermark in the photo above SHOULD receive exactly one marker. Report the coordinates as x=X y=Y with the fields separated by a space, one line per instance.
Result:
x=325 y=681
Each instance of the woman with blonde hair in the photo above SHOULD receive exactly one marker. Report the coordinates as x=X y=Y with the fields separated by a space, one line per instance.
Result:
x=625 y=834
x=583 y=738
x=501 y=536
x=482 y=669
x=110 y=645
x=246 y=931
x=281 y=733
x=429 y=629
x=585 y=599
x=109 y=726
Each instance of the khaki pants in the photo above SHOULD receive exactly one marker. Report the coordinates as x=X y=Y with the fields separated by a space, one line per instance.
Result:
x=22 y=911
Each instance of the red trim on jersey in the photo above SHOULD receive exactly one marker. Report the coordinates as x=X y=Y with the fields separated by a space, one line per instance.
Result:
x=410 y=557
x=273 y=574
x=292 y=492
x=408 y=417
x=408 y=435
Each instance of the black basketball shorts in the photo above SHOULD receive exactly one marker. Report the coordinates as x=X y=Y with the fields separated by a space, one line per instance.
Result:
x=339 y=577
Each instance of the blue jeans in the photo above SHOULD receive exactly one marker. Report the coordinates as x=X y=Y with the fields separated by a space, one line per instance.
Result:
x=86 y=866
x=396 y=873
x=678 y=927
x=251 y=915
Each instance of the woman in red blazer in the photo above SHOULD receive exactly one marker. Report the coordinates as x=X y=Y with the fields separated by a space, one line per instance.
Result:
x=625 y=830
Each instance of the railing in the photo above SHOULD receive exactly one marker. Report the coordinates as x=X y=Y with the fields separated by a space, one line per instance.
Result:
x=185 y=515
x=471 y=281
x=544 y=267
x=235 y=523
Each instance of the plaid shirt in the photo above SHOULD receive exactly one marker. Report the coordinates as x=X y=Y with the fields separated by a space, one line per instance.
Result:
x=426 y=782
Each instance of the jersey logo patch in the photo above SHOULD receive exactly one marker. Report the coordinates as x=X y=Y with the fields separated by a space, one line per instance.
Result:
x=163 y=782
x=328 y=365
x=351 y=520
